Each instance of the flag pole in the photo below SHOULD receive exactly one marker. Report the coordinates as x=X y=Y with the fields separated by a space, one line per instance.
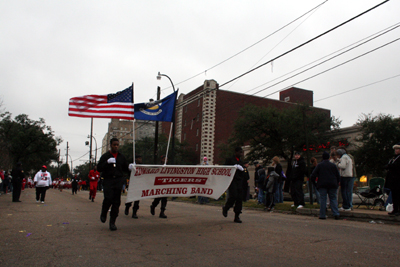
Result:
x=133 y=143
x=169 y=139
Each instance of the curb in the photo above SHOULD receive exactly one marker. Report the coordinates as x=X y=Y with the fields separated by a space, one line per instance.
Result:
x=357 y=216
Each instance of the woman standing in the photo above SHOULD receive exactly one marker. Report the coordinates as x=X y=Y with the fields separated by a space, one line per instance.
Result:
x=393 y=180
x=279 y=189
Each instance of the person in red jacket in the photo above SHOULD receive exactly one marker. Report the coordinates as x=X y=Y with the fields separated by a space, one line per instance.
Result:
x=94 y=177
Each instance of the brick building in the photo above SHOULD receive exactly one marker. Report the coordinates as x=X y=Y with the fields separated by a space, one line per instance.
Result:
x=205 y=117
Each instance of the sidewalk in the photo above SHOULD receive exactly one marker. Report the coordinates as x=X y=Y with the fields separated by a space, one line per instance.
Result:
x=368 y=215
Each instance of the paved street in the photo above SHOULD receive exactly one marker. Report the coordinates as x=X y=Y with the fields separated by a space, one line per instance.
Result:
x=66 y=231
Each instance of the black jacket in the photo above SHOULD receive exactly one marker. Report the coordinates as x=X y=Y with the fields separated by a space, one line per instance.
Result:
x=298 y=170
x=327 y=174
x=239 y=175
x=17 y=175
x=112 y=171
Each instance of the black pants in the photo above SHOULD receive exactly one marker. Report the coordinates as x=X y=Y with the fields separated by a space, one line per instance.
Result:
x=74 y=189
x=112 y=197
x=135 y=205
x=16 y=193
x=296 y=189
x=235 y=192
x=163 y=202
x=41 y=193
x=270 y=200
x=396 y=199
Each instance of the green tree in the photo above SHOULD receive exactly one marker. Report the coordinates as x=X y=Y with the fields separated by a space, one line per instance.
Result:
x=28 y=141
x=271 y=132
x=379 y=134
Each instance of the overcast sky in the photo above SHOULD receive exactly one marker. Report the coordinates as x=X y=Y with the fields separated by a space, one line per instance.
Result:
x=54 y=50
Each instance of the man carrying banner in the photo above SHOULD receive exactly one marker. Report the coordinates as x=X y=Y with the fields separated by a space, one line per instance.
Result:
x=138 y=160
x=112 y=164
x=163 y=200
x=235 y=190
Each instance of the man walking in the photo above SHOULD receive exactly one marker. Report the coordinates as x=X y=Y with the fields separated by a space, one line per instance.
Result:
x=112 y=164
x=235 y=190
x=163 y=200
x=17 y=175
x=94 y=177
x=42 y=182
x=138 y=160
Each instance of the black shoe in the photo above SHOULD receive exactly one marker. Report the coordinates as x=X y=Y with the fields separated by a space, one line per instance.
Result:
x=337 y=217
x=392 y=213
x=225 y=212
x=126 y=210
x=162 y=215
x=113 y=227
x=322 y=218
x=152 y=210
x=134 y=216
x=237 y=219
x=92 y=199
x=103 y=217
x=17 y=201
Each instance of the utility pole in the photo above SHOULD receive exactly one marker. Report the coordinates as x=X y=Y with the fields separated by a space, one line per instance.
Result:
x=90 y=153
x=156 y=131
x=67 y=160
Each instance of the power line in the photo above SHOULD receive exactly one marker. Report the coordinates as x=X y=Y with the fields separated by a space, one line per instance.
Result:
x=360 y=87
x=303 y=44
x=247 y=48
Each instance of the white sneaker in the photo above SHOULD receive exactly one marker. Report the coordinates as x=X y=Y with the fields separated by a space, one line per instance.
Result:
x=42 y=202
x=37 y=201
x=300 y=206
x=292 y=206
x=347 y=209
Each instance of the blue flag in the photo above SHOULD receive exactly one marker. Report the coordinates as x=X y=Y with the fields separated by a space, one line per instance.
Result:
x=160 y=110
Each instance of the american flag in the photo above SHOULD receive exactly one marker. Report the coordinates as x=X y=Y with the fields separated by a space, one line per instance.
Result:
x=116 y=106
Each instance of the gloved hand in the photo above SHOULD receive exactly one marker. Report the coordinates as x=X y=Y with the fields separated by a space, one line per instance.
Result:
x=240 y=168
x=111 y=160
x=132 y=166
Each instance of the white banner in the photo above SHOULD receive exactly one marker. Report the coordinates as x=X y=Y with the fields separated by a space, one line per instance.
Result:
x=153 y=181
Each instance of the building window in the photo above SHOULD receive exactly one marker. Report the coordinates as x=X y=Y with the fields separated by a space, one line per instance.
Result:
x=287 y=99
x=197 y=147
x=197 y=132
x=198 y=117
x=198 y=102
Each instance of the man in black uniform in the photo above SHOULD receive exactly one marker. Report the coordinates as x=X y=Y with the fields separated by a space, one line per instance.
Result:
x=17 y=175
x=112 y=165
x=138 y=160
x=163 y=200
x=236 y=187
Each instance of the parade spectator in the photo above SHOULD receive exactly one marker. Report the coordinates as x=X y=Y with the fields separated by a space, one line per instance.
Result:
x=16 y=180
x=258 y=167
x=271 y=186
x=163 y=200
x=314 y=164
x=351 y=181
x=345 y=166
x=281 y=180
x=235 y=188
x=393 y=180
x=6 y=182
x=42 y=182
x=112 y=165
x=94 y=177
x=297 y=180
x=326 y=177
x=261 y=185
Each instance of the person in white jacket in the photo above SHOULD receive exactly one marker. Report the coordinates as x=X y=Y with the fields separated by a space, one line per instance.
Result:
x=42 y=182
x=345 y=166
